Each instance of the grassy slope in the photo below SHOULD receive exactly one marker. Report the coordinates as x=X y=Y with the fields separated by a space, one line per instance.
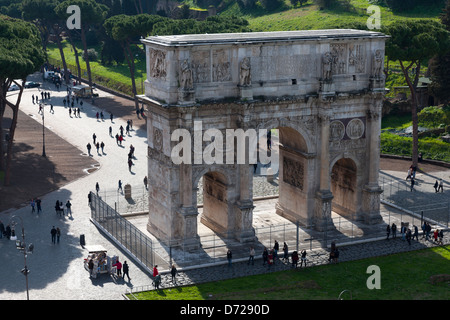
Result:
x=310 y=17
x=404 y=276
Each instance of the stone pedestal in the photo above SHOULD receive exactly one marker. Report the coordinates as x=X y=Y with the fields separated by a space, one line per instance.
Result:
x=246 y=93
x=376 y=84
x=191 y=240
x=371 y=205
x=327 y=89
x=186 y=96
x=322 y=211
x=244 y=218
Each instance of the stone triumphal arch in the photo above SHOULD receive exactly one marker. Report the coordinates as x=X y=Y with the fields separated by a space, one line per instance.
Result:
x=322 y=90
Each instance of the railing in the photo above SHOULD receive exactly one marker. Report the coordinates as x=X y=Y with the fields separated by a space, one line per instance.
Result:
x=424 y=203
x=124 y=233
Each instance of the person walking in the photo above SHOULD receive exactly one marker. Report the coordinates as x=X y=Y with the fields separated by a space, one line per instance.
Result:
x=265 y=256
x=251 y=256
x=394 y=230
x=276 y=247
x=91 y=267
x=32 y=204
x=97 y=146
x=38 y=205
x=435 y=235
x=416 y=233
x=388 y=232
x=424 y=229
x=408 y=236
x=120 y=186
x=409 y=173
x=413 y=181
x=303 y=258
x=441 y=237
x=69 y=208
x=285 y=252
x=173 y=273
x=125 y=269
x=102 y=145
x=130 y=164
x=97 y=187
x=294 y=257
x=118 y=265
x=2 y=229
x=441 y=186
x=428 y=230
x=53 y=233
x=229 y=257
x=94 y=137
x=336 y=255
x=88 y=146
x=156 y=276
x=436 y=185
x=111 y=117
x=270 y=259
x=89 y=199
x=58 y=234
x=146 y=182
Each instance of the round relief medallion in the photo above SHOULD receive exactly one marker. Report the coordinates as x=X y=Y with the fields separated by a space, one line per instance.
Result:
x=355 y=129
x=337 y=130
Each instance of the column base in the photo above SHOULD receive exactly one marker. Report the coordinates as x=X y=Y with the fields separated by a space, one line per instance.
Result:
x=322 y=211
x=371 y=204
x=244 y=222
x=190 y=240
x=246 y=93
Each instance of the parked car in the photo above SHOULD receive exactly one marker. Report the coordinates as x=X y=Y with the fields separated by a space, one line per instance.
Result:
x=32 y=84
x=13 y=87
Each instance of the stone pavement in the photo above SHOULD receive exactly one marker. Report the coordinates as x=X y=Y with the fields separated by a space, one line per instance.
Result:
x=57 y=270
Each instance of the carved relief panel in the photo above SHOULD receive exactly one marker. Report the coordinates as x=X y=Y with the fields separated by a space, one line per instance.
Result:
x=201 y=66
x=356 y=58
x=339 y=58
x=157 y=64
x=221 y=66
x=293 y=172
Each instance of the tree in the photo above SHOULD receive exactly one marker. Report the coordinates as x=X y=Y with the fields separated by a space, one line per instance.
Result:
x=41 y=12
x=127 y=30
x=91 y=13
x=440 y=65
x=271 y=5
x=412 y=43
x=21 y=54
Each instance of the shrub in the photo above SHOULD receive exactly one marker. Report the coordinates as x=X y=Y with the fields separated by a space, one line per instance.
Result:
x=92 y=55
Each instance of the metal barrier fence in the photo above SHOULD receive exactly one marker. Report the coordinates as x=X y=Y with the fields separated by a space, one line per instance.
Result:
x=124 y=233
x=339 y=230
x=423 y=201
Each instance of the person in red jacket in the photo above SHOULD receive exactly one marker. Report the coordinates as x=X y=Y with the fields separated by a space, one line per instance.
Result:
x=118 y=265
x=156 y=277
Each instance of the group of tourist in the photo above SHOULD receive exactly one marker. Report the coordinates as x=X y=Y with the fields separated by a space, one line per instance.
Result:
x=408 y=235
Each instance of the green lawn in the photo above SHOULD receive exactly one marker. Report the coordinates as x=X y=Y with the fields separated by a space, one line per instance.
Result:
x=116 y=76
x=404 y=276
